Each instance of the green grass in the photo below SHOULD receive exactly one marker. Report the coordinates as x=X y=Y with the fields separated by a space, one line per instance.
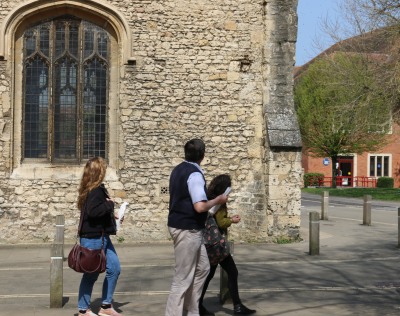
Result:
x=283 y=240
x=376 y=193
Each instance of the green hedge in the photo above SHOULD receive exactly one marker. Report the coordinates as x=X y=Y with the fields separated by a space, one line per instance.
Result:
x=313 y=179
x=385 y=182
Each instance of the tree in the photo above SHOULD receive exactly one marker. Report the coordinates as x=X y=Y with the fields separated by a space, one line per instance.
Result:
x=359 y=17
x=373 y=14
x=342 y=105
x=348 y=96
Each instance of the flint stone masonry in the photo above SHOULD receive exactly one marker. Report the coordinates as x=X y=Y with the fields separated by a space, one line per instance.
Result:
x=218 y=70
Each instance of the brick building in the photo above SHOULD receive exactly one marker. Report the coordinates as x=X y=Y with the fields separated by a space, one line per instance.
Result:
x=362 y=170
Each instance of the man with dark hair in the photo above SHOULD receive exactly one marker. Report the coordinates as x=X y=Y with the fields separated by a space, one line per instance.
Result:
x=195 y=150
x=188 y=207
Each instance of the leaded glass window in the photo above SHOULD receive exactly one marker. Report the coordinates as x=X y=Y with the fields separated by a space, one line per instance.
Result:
x=66 y=70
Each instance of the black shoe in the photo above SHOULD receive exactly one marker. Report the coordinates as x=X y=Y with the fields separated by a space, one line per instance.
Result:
x=204 y=312
x=240 y=309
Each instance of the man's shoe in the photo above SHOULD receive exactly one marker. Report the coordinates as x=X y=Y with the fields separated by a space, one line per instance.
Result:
x=204 y=312
x=240 y=309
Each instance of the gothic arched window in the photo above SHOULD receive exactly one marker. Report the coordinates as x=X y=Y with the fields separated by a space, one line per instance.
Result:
x=65 y=90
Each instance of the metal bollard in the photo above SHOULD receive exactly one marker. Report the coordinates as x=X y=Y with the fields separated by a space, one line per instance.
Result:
x=224 y=294
x=56 y=265
x=367 y=210
x=325 y=206
x=314 y=233
x=398 y=227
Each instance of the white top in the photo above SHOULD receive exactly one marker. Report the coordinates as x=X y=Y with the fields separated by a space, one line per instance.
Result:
x=196 y=185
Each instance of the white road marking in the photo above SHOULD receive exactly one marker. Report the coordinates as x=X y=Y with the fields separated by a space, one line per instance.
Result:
x=255 y=290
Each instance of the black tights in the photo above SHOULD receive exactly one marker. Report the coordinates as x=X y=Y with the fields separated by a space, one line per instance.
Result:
x=228 y=264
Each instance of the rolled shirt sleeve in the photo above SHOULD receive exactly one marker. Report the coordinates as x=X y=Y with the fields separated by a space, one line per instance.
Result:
x=196 y=186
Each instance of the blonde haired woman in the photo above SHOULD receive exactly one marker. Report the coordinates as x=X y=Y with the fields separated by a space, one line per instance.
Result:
x=98 y=223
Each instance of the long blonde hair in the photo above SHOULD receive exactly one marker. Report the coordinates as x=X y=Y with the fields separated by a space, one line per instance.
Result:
x=93 y=175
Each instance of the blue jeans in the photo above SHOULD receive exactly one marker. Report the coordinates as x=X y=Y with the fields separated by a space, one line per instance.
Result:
x=113 y=269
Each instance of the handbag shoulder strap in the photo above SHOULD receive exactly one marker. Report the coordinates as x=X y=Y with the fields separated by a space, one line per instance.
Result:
x=81 y=219
x=80 y=224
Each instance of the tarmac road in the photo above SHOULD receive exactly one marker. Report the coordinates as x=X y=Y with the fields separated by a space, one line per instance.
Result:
x=356 y=273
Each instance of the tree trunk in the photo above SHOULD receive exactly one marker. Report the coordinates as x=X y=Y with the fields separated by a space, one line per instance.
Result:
x=334 y=171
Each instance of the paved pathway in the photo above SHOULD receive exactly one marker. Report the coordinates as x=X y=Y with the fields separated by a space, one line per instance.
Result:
x=356 y=273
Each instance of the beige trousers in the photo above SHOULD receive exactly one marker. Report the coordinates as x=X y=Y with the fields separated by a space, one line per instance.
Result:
x=191 y=270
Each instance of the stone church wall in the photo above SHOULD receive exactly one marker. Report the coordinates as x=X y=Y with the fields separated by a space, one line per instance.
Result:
x=216 y=70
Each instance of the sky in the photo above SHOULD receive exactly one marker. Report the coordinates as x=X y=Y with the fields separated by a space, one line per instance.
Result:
x=311 y=14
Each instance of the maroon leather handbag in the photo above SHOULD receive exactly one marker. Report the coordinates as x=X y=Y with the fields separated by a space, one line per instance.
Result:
x=85 y=260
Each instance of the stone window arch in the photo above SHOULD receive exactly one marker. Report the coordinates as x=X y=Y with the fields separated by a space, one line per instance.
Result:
x=65 y=91
x=63 y=160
